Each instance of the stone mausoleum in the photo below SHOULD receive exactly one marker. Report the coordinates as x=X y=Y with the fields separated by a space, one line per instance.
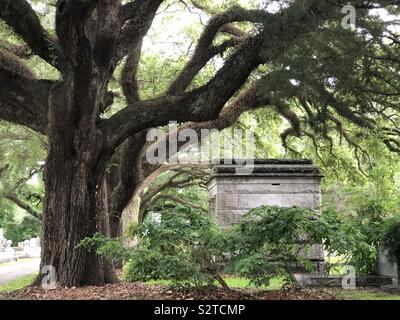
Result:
x=233 y=190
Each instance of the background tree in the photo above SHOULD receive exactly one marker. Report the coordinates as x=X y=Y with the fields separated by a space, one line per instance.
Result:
x=184 y=185
x=21 y=190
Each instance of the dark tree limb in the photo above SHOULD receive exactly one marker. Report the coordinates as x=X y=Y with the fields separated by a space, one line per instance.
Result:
x=88 y=34
x=199 y=105
x=13 y=197
x=22 y=51
x=253 y=97
x=205 y=49
x=129 y=76
x=200 y=58
x=136 y=18
x=24 y=101
x=129 y=179
x=20 y=16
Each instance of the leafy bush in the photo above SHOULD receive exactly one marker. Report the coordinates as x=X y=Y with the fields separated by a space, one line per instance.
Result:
x=352 y=240
x=271 y=241
x=179 y=245
x=184 y=246
x=391 y=237
x=113 y=249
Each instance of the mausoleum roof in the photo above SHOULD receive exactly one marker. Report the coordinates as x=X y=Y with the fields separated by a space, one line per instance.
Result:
x=265 y=167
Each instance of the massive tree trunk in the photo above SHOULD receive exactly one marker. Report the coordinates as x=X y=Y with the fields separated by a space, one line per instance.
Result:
x=70 y=215
x=75 y=204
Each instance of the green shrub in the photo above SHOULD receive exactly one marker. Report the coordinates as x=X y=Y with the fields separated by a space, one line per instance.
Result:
x=179 y=245
x=269 y=241
x=391 y=237
x=354 y=239
x=29 y=227
x=183 y=246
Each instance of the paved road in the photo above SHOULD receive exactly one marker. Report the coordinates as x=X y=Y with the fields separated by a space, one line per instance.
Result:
x=14 y=271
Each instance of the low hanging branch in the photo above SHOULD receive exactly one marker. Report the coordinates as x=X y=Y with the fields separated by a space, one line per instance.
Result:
x=24 y=205
x=12 y=194
x=19 y=15
x=21 y=51
x=23 y=100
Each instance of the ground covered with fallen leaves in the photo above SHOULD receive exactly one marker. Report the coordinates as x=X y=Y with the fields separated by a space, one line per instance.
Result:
x=140 y=291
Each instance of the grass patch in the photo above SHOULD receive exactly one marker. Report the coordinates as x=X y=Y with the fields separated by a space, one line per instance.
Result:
x=242 y=283
x=158 y=282
x=19 y=283
x=238 y=283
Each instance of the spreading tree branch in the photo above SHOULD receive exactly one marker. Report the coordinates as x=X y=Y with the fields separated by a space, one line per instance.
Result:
x=129 y=175
x=202 y=104
x=205 y=50
x=23 y=100
x=23 y=205
x=136 y=18
x=20 y=16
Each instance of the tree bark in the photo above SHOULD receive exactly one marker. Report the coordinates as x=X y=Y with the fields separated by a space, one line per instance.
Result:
x=75 y=205
x=72 y=200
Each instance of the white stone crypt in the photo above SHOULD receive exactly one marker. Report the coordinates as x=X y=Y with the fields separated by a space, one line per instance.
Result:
x=280 y=182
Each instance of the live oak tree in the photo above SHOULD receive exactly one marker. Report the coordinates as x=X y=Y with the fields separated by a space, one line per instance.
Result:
x=299 y=61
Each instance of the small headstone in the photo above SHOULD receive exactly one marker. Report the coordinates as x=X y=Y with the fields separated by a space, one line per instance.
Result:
x=34 y=243
x=10 y=251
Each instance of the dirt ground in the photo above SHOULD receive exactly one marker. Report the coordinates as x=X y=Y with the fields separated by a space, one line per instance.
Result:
x=139 y=291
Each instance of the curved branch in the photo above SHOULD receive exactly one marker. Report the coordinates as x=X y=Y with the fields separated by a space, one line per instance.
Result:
x=205 y=50
x=24 y=101
x=200 y=58
x=136 y=18
x=23 y=205
x=129 y=80
x=255 y=96
x=20 y=16
x=198 y=105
